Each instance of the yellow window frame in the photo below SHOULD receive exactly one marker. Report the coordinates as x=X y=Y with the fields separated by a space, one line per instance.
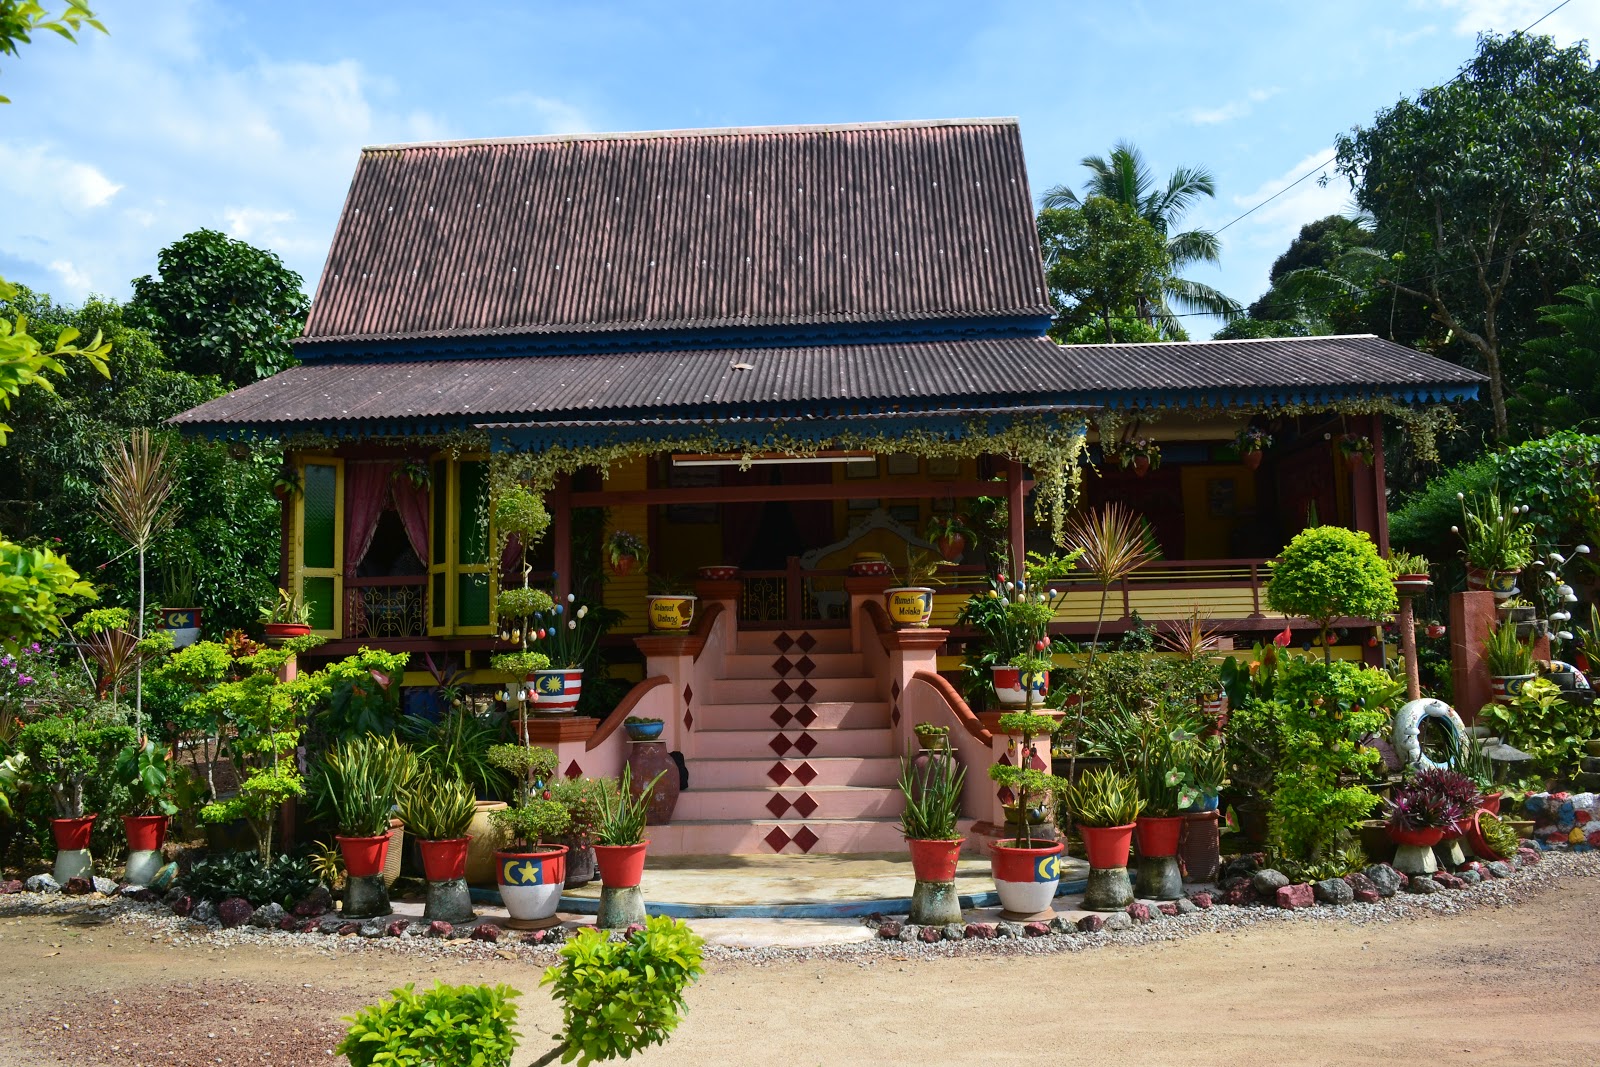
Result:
x=445 y=573
x=299 y=572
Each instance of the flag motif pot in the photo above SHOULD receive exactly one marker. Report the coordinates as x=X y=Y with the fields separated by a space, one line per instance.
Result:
x=1011 y=686
x=557 y=690
x=1026 y=878
x=531 y=882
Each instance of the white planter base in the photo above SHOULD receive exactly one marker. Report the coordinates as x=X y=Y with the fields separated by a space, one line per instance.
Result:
x=73 y=863
x=1026 y=901
x=531 y=903
x=1415 y=859
x=143 y=866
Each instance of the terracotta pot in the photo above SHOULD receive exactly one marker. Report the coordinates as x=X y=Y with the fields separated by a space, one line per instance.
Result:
x=721 y=572
x=1491 y=803
x=623 y=566
x=145 y=832
x=1421 y=838
x=909 y=605
x=1412 y=585
x=1252 y=460
x=1141 y=465
x=1026 y=878
x=364 y=856
x=1158 y=834
x=444 y=861
x=950 y=548
x=934 y=861
x=621 y=866
x=531 y=882
x=1106 y=847
x=1435 y=630
x=72 y=834
x=277 y=631
x=645 y=760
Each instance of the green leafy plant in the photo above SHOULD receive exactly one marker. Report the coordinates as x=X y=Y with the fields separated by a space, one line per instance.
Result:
x=528 y=765
x=467 y=1025
x=931 y=735
x=281 y=880
x=531 y=823
x=357 y=695
x=921 y=569
x=521 y=603
x=621 y=815
x=932 y=795
x=1495 y=537
x=1252 y=439
x=1499 y=835
x=1103 y=797
x=1401 y=563
x=66 y=749
x=1539 y=722
x=625 y=545
x=580 y=798
x=519 y=664
x=147 y=774
x=567 y=633
x=1328 y=572
x=357 y=781
x=286 y=607
x=1025 y=781
x=437 y=807
x=457 y=746
x=618 y=998
x=1144 y=447
x=1506 y=654
x=945 y=528
x=1190 y=638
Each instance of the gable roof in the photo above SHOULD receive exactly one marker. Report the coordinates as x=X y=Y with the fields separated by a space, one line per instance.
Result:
x=848 y=224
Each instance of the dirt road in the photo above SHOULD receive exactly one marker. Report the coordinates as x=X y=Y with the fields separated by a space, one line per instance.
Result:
x=1493 y=986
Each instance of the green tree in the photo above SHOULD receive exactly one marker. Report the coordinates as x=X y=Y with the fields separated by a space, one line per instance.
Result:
x=1559 y=377
x=1101 y=261
x=221 y=307
x=1124 y=177
x=1328 y=573
x=1484 y=191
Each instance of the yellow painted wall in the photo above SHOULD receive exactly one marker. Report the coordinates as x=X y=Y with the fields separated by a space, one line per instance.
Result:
x=627 y=594
x=1207 y=535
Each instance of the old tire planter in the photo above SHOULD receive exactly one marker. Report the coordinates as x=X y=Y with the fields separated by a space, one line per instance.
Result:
x=1407 y=728
x=1026 y=879
x=531 y=883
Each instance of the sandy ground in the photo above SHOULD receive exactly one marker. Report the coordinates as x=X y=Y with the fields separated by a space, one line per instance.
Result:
x=1492 y=986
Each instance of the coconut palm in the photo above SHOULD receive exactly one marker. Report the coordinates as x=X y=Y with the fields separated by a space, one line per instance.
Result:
x=1127 y=179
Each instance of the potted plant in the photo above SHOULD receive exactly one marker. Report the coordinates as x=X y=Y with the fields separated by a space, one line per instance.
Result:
x=1016 y=617
x=670 y=605
x=1510 y=662
x=1251 y=443
x=626 y=552
x=580 y=797
x=1491 y=837
x=1105 y=807
x=566 y=636
x=286 y=616
x=287 y=484
x=64 y=751
x=357 y=782
x=1193 y=641
x=619 y=842
x=1162 y=768
x=910 y=603
x=948 y=535
x=179 y=615
x=1026 y=870
x=1356 y=448
x=530 y=868
x=931 y=825
x=717 y=572
x=144 y=771
x=437 y=809
x=1142 y=455
x=643 y=729
x=1423 y=812
x=1474 y=762
x=1497 y=541
x=1409 y=572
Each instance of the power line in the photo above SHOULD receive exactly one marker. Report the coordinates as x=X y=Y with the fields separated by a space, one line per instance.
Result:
x=1332 y=158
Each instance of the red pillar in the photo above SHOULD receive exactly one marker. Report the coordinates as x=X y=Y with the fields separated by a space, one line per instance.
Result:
x=1014 y=512
x=561 y=521
x=1472 y=617
x=1380 y=489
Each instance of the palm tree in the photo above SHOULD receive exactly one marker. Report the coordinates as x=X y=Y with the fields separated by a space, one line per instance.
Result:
x=1126 y=178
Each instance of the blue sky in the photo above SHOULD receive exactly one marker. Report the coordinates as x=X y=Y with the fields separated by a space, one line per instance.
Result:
x=247 y=117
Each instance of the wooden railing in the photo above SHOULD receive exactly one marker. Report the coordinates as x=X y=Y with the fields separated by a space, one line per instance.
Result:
x=386 y=607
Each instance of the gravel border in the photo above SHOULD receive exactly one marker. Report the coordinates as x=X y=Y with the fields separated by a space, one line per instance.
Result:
x=161 y=925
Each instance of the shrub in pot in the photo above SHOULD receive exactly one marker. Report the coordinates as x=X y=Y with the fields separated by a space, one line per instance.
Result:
x=356 y=783
x=437 y=810
x=931 y=825
x=1027 y=870
x=64 y=750
x=1328 y=572
x=530 y=866
x=144 y=771
x=1105 y=805
x=1426 y=810
x=580 y=797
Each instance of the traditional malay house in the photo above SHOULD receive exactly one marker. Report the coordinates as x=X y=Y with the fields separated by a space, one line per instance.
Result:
x=772 y=351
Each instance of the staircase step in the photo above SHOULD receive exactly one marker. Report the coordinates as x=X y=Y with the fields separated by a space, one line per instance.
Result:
x=793 y=741
x=768 y=836
x=794 y=665
x=794 y=642
x=791 y=802
x=792 y=770
x=823 y=715
x=794 y=691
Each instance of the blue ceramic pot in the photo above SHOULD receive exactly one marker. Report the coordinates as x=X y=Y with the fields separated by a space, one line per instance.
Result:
x=644 y=731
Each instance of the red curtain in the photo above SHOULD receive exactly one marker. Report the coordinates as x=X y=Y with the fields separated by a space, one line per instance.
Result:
x=366 y=491
x=411 y=503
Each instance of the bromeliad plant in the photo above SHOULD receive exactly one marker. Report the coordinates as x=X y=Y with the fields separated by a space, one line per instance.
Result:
x=1025 y=781
x=1439 y=799
x=933 y=796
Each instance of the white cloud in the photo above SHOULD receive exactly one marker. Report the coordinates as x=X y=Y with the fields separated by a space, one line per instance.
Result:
x=1276 y=224
x=1579 y=20
x=35 y=177
x=73 y=280
x=1233 y=109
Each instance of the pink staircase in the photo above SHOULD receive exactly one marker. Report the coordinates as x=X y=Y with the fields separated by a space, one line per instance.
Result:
x=792 y=752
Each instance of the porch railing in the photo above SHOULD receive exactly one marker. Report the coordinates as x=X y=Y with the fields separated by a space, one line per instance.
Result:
x=386 y=607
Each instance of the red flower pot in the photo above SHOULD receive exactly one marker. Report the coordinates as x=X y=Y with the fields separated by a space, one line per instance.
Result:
x=623 y=566
x=364 y=856
x=934 y=861
x=621 y=866
x=276 y=630
x=1158 y=834
x=72 y=834
x=1475 y=838
x=950 y=548
x=1421 y=838
x=1141 y=465
x=145 y=832
x=1491 y=803
x=1252 y=460
x=1107 y=846
x=444 y=861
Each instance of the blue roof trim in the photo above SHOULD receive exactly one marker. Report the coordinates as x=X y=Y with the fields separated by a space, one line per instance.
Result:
x=577 y=343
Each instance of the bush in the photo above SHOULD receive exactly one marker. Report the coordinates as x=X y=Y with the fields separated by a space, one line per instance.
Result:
x=1540 y=723
x=446 y=1026
x=242 y=874
x=1328 y=572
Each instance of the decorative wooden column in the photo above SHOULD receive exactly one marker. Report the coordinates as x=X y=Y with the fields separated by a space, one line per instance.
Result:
x=1380 y=489
x=561 y=524
x=1016 y=516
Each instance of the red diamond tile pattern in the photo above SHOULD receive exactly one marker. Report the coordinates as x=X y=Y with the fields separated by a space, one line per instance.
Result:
x=777 y=839
x=573 y=770
x=780 y=774
x=805 y=839
x=805 y=774
x=894 y=690
x=805 y=665
x=1037 y=763
x=782 y=665
x=806 y=642
x=780 y=744
x=805 y=805
x=688 y=694
x=781 y=716
x=688 y=719
x=805 y=716
x=783 y=691
x=1007 y=796
x=783 y=642
x=805 y=743
x=806 y=690
x=894 y=716
x=778 y=805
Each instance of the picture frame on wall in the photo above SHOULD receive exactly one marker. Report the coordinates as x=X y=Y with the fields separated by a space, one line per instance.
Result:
x=902 y=465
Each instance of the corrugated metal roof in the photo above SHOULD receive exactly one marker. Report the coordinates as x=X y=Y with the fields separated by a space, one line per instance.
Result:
x=883 y=222
x=834 y=378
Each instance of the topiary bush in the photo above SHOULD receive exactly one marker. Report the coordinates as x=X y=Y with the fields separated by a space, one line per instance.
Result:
x=1328 y=572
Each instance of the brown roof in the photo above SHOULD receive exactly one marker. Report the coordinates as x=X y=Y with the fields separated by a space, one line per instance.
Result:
x=686 y=229
x=426 y=394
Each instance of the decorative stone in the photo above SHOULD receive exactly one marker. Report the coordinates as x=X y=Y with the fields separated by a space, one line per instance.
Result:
x=141 y=893
x=1036 y=929
x=398 y=928
x=448 y=901
x=42 y=883
x=1422 y=884
x=534 y=937
x=890 y=930
x=1138 y=911
x=1007 y=929
x=204 y=912
x=1365 y=896
x=1449 y=881
x=910 y=932
x=291 y=924
x=929 y=934
x=183 y=905
x=78 y=887
x=268 y=916
x=173 y=895
x=329 y=924
x=1384 y=878
x=372 y=928
x=1358 y=881
x=1240 y=866
x=981 y=931
x=1201 y=900
x=1062 y=925
x=953 y=931
x=234 y=912
x=633 y=928
x=935 y=903
x=349 y=928
x=1169 y=907
x=1335 y=891
x=366 y=897
x=1107 y=890
x=317 y=902
x=1117 y=921
x=1295 y=897
x=1092 y=924
x=1184 y=906
x=1470 y=877
x=557 y=935
x=1498 y=869
x=163 y=879
x=104 y=886
x=1241 y=893
x=1528 y=856
x=1267 y=882
x=15 y=885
